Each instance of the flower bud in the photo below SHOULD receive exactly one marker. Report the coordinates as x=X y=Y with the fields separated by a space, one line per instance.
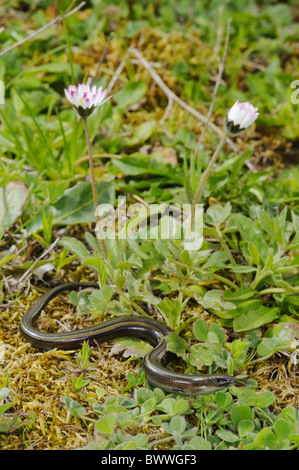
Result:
x=239 y=117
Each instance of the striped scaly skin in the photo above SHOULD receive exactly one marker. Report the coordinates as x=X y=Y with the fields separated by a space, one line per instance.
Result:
x=148 y=329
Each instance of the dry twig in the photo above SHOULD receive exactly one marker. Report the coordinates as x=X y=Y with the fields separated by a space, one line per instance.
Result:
x=219 y=76
x=36 y=33
x=172 y=96
x=102 y=58
x=26 y=274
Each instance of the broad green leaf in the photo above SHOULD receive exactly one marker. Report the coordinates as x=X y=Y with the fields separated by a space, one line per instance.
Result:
x=241 y=294
x=4 y=392
x=177 y=424
x=201 y=356
x=267 y=346
x=144 y=394
x=199 y=443
x=240 y=413
x=213 y=299
x=149 y=405
x=251 y=233
x=223 y=399
x=75 y=246
x=255 y=318
x=201 y=329
x=106 y=425
x=130 y=347
x=142 y=133
x=12 y=199
x=216 y=334
x=283 y=428
x=138 y=164
x=130 y=94
x=265 y=399
x=174 y=407
x=217 y=259
x=227 y=436
x=176 y=344
x=217 y=214
x=75 y=408
x=75 y=206
x=245 y=427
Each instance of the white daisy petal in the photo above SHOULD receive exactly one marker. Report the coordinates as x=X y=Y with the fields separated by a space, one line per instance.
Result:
x=85 y=99
x=240 y=117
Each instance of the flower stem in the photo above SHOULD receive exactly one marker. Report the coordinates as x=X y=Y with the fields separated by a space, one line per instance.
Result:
x=94 y=190
x=205 y=176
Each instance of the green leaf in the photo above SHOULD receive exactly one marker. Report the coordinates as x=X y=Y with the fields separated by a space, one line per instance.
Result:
x=100 y=298
x=240 y=413
x=130 y=94
x=139 y=164
x=75 y=206
x=201 y=356
x=223 y=399
x=176 y=344
x=142 y=133
x=255 y=318
x=5 y=407
x=177 y=424
x=242 y=269
x=239 y=350
x=173 y=407
x=240 y=294
x=135 y=27
x=251 y=398
x=75 y=246
x=199 y=443
x=106 y=425
x=265 y=399
x=251 y=234
x=217 y=214
x=149 y=405
x=217 y=259
x=4 y=392
x=201 y=329
x=144 y=394
x=12 y=199
x=216 y=334
x=254 y=253
x=283 y=428
x=74 y=407
x=213 y=300
x=267 y=347
x=245 y=427
x=227 y=436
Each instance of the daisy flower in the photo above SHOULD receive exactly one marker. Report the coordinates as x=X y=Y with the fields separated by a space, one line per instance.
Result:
x=240 y=116
x=85 y=99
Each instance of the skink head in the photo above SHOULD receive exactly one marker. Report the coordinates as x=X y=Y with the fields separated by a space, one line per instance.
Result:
x=221 y=381
x=212 y=383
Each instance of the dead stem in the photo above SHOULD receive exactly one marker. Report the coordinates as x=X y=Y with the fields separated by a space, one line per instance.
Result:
x=172 y=96
x=205 y=176
x=102 y=58
x=36 y=33
x=94 y=190
x=218 y=80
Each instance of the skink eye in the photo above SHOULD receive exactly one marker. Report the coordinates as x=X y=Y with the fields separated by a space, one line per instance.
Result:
x=224 y=381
